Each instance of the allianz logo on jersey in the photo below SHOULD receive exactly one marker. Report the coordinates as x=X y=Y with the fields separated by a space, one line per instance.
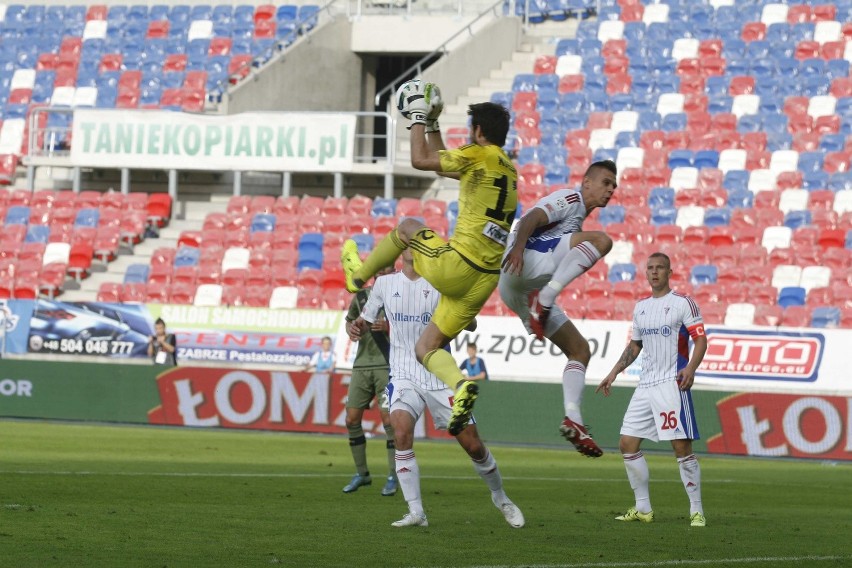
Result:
x=665 y=331
x=423 y=318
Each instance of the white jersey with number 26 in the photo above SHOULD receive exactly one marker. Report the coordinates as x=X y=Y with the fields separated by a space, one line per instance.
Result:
x=664 y=326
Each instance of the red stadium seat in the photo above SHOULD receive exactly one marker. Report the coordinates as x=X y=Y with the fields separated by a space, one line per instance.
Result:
x=175 y=62
x=182 y=293
x=571 y=84
x=156 y=293
x=796 y=316
x=234 y=295
x=159 y=209
x=109 y=292
x=768 y=315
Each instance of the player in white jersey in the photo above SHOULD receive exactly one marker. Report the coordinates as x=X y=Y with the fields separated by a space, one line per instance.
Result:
x=547 y=250
x=409 y=302
x=661 y=407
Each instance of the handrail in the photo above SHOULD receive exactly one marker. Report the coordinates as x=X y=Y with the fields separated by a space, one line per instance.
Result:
x=440 y=50
x=279 y=46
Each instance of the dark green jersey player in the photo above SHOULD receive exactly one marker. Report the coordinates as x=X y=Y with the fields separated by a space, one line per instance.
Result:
x=369 y=380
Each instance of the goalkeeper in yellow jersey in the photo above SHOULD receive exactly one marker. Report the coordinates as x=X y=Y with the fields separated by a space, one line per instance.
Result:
x=465 y=269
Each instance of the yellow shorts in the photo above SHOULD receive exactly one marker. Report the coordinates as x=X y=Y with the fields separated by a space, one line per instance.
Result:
x=464 y=287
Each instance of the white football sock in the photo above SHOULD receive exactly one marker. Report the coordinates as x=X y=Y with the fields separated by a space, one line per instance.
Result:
x=487 y=470
x=573 y=381
x=408 y=473
x=638 y=474
x=570 y=263
x=690 y=474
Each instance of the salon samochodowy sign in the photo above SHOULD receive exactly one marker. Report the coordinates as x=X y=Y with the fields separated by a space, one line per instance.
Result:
x=321 y=142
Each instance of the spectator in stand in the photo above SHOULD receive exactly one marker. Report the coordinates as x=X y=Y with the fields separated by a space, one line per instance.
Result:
x=323 y=361
x=474 y=366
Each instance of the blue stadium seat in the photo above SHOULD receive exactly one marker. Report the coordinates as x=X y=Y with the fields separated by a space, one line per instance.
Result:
x=750 y=123
x=37 y=234
x=661 y=197
x=663 y=215
x=502 y=98
x=286 y=13
x=719 y=103
x=835 y=68
x=779 y=141
x=552 y=156
x=706 y=159
x=557 y=174
x=773 y=123
x=680 y=159
x=137 y=274
x=796 y=219
x=622 y=272
x=309 y=259
x=568 y=47
x=527 y=155
x=88 y=217
x=384 y=207
x=815 y=180
x=718 y=84
x=187 y=256
x=791 y=296
x=158 y=12
x=365 y=241
x=740 y=199
x=704 y=274
x=839 y=181
x=767 y=86
x=263 y=222
x=674 y=122
x=634 y=32
x=612 y=214
x=825 y=316
x=627 y=139
x=717 y=217
x=848 y=245
x=572 y=102
x=524 y=82
x=810 y=162
x=832 y=143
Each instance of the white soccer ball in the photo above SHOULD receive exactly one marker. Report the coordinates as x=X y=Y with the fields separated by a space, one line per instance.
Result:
x=418 y=96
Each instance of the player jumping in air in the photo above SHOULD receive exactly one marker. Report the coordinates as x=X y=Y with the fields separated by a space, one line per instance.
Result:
x=466 y=268
x=661 y=407
x=547 y=250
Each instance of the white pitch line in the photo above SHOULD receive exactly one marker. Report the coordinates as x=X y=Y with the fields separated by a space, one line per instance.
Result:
x=661 y=563
x=328 y=475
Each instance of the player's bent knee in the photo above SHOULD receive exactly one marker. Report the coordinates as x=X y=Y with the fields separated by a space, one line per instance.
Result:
x=407 y=227
x=602 y=242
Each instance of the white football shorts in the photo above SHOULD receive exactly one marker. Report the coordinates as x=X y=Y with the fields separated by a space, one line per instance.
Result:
x=661 y=412
x=515 y=290
x=414 y=399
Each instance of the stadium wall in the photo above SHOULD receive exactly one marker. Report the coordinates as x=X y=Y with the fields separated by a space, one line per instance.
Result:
x=319 y=72
x=754 y=424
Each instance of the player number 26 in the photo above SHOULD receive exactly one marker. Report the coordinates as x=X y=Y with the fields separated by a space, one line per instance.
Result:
x=669 y=420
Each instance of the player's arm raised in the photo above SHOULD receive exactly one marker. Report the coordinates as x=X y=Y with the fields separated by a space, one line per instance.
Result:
x=514 y=261
x=631 y=352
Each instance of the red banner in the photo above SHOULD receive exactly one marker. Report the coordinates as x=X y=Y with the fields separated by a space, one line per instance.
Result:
x=784 y=425
x=261 y=400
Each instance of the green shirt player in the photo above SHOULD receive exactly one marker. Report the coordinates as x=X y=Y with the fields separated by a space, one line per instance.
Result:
x=369 y=379
x=465 y=269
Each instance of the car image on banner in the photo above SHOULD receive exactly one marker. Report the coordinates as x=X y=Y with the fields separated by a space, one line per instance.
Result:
x=110 y=330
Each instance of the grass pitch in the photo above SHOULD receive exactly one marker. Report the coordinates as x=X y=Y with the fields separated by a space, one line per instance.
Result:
x=83 y=495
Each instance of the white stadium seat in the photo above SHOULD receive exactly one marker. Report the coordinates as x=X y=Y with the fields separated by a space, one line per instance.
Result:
x=776 y=237
x=684 y=178
x=762 y=180
x=690 y=216
x=685 y=48
x=739 y=314
x=774 y=14
x=822 y=105
x=655 y=13
x=793 y=200
x=732 y=159
x=621 y=253
x=569 y=64
x=235 y=257
x=784 y=161
x=601 y=138
x=827 y=31
x=670 y=103
x=745 y=104
x=284 y=297
x=843 y=201
x=208 y=295
x=23 y=79
x=610 y=29
x=815 y=277
x=624 y=121
x=630 y=158
x=786 y=275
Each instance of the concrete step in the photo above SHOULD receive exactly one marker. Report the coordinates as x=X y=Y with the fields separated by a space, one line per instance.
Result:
x=502 y=84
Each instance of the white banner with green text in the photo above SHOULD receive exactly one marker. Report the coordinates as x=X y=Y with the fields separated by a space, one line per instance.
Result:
x=152 y=139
